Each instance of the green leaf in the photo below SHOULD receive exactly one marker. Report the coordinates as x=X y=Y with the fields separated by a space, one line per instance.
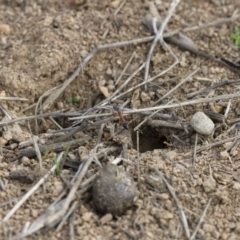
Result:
x=58 y=170
x=76 y=99
x=70 y=99
x=233 y=36
x=237 y=42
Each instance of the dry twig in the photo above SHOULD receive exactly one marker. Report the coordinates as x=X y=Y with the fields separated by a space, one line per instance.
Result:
x=180 y=210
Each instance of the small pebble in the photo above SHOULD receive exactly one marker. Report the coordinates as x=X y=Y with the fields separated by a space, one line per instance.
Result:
x=26 y=161
x=171 y=155
x=201 y=123
x=224 y=155
x=7 y=135
x=106 y=218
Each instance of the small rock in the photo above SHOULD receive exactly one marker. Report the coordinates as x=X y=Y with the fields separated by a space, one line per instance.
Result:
x=115 y=3
x=48 y=21
x=163 y=196
x=111 y=87
x=183 y=63
x=209 y=184
x=234 y=153
x=109 y=71
x=26 y=161
x=3 y=142
x=7 y=135
x=5 y=28
x=23 y=176
x=34 y=212
x=167 y=215
x=224 y=155
x=145 y=97
x=83 y=53
x=201 y=123
x=208 y=228
x=236 y=186
x=13 y=146
x=106 y=218
x=87 y=216
x=216 y=234
x=171 y=155
x=237 y=229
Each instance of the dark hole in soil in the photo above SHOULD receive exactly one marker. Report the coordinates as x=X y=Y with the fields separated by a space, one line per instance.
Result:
x=149 y=139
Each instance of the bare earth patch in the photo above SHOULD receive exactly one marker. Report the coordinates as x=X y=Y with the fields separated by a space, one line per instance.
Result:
x=78 y=87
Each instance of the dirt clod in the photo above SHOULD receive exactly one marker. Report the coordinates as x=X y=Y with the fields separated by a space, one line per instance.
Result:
x=113 y=191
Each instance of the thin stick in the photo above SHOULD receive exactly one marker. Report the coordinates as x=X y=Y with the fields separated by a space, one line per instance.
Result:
x=144 y=83
x=195 y=150
x=38 y=153
x=2 y=186
x=138 y=159
x=161 y=123
x=53 y=114
x=125 y=68
x=124 y=84
x=211 y=24
x=182 y=215
x=210 y=145
x=177 y=86
x=174 y=105
x=64 y=219
x=13 y=99
x=215 y=85
x=228 y=108
x=200 y=220
x=61 y=212
x=31 y=191
x=5 y=112
x=163 y=97
x=71 y=227
x=120 y=7
x=100 y=133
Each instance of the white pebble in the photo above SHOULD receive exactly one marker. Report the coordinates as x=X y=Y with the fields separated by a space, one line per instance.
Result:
x=201 y=123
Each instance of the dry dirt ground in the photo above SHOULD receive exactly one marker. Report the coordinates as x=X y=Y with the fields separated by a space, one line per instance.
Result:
x=42 y=44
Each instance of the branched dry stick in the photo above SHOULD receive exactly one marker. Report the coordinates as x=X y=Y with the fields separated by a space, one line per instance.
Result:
x=32 y=190
x=163 y=97
x=56 y=92
x=159 y=36
x=180 y=210
x=200 y=220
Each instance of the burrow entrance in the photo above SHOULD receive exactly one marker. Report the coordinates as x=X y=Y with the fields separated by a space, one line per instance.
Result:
x=149 y=139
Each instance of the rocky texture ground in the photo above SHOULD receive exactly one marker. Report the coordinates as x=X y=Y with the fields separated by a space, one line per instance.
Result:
x=43 y=42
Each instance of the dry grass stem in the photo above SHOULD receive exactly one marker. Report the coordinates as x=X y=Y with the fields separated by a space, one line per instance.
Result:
x=182 y=215
x=13 y=99
x=125 y=68
x=200 y=220
x=195 y=150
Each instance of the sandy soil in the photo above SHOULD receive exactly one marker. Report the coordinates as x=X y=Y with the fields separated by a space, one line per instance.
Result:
x=43 y=42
